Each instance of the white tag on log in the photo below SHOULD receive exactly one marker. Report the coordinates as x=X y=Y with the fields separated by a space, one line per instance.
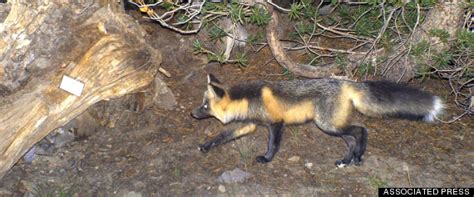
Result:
x=71 y=85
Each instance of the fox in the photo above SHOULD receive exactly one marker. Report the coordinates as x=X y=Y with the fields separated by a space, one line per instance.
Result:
x=327 y=102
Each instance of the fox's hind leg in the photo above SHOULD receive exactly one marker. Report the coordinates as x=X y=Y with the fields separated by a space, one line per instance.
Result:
x=351 y=142
x=355 y=138
x=360 y=134
x=274 y=140
x=351 y=146
x=227 y=136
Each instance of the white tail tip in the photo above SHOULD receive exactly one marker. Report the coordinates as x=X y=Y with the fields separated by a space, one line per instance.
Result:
x=437 y=108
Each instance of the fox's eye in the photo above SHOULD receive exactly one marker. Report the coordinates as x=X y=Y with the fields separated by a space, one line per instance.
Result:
x=205 y=106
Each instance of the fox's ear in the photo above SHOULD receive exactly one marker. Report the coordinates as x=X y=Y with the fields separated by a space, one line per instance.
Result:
x=216 y=90
x=212 y=79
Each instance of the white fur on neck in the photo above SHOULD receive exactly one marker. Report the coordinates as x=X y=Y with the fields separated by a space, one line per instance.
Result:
x=229 y=117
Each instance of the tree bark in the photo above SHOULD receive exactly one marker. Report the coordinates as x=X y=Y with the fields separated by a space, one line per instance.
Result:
x=41 y=41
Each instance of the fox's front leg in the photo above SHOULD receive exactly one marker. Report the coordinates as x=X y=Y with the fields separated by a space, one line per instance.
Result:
x=227 y=136
x=274 y=139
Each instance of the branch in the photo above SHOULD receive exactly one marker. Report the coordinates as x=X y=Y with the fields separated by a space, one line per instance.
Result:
x=282 y=58
x=192 y=12
x=277 y=6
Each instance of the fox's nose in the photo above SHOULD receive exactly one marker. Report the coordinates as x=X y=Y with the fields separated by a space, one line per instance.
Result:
x=194 y=114
x=198 y=114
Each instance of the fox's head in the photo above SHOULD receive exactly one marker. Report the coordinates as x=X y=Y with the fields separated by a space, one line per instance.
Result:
x=218 y=103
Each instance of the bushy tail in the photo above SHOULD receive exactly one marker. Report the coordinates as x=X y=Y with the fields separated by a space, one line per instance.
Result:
x=383 y=98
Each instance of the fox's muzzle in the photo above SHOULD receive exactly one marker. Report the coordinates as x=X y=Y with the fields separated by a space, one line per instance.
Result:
x=200 y=113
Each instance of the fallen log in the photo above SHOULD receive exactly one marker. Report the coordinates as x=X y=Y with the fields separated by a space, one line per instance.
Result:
x=93 y=43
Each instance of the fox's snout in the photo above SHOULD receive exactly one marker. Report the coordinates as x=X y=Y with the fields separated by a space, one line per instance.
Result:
x=199 y=113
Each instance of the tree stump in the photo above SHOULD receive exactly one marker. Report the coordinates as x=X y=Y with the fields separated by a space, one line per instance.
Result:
x=93 y=42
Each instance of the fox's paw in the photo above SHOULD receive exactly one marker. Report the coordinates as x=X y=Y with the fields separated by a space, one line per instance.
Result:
x=341 y=163
x=262 y=159
x=203 y=148
x=357 y=161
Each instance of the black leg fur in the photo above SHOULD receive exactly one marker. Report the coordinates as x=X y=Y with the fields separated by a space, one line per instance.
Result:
x=356 y=140
x=227 y=136
x=360 y=150
x=274 y=140
x=220 y=139
x=360 y=133
x=351 y=145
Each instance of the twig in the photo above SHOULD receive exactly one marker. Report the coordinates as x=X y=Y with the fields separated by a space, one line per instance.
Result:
x=325 y=49
x=381 y=32
x=164 y=72
x=268 y=62
x=358 y=18
x=417 y=20
x=342 y=33
x=453 y=119
x=277 y=6
x=281 y=57
x=191 y=11
x=404 y=20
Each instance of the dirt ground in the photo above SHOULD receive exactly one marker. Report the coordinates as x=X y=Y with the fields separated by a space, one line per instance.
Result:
x=154 y=152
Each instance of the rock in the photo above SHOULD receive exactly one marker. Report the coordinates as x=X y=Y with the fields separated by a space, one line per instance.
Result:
x=139 y=184
x=125 y=193
x=325 y=10
x=85 y=124
x=234 y=176
x=26 y=186
x=4 y=10
x=162 y=96
x=133 y=194
x=308 y=165
x=294 y=159
x=405 y=167
x=239 y=33
x=62 y=137
x=4 y=192
x=221 y=188
x=57 y=138
x=30 y=155
x=44 y=148
x=29 y=194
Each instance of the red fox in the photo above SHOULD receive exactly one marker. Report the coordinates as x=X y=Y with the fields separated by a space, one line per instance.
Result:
x=327 y=102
